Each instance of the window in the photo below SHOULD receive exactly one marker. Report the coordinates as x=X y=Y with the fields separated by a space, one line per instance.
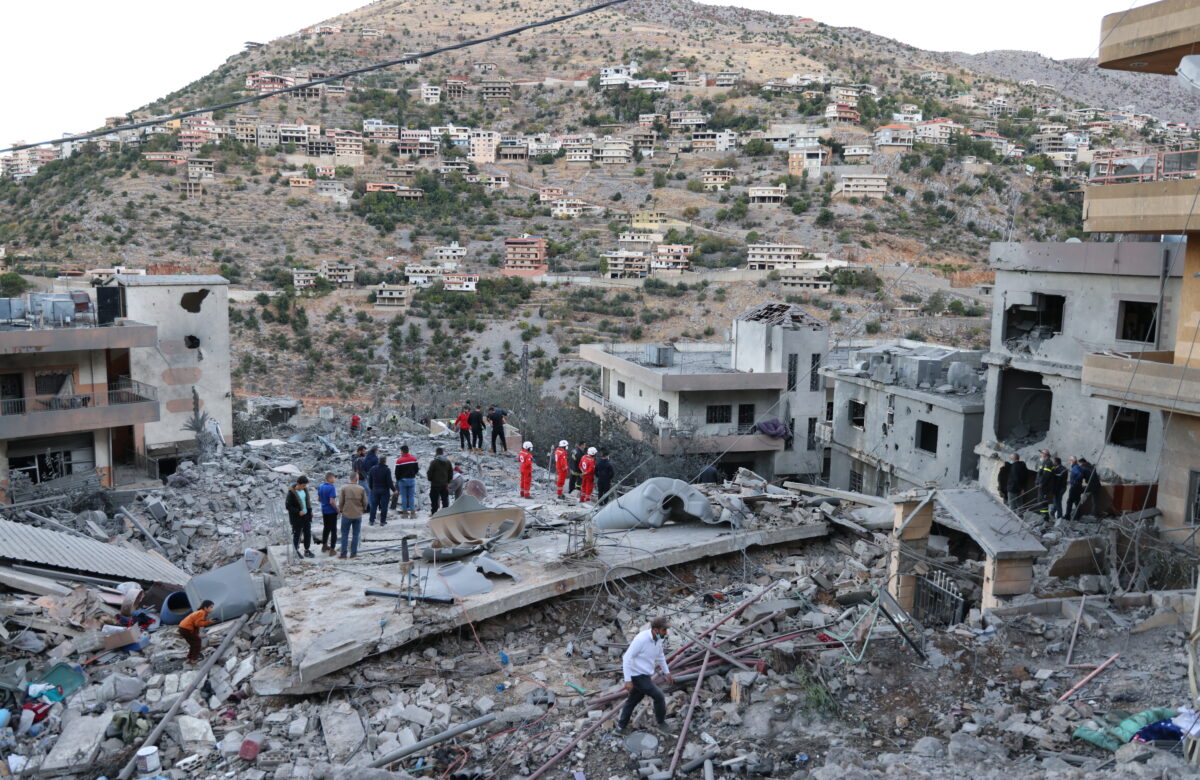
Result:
x=858 y=414
x=664 y=410
x=50 y=382
x=745 y=414
x=793 y=370
x=1128 y=427
x=927 y=436
x=856 y=481
x=1137 y=321
x=1193 y=504
x=620 y=389
x=829 y=411
x=1039 y=319
x=812 y=434
x=720 y=413
x=814 y=378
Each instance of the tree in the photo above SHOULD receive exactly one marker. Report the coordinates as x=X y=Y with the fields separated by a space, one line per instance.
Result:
x=935 y=304
x=824 y=219
x=956 y=307
x=660 y=179
x=12 y=285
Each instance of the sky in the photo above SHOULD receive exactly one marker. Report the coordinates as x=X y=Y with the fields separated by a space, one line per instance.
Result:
x=108 y=59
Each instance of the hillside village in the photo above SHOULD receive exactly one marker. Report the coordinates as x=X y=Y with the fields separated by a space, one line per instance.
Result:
x=888 y=358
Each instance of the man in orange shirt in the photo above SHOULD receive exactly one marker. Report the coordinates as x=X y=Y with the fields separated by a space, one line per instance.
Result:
x=525 y=460
x=189 y=629
x=561 y=466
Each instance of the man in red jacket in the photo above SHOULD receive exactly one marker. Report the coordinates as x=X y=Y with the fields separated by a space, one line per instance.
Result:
x=463 y=424
x=561 y=465
x=587 y=473
x=525 y=460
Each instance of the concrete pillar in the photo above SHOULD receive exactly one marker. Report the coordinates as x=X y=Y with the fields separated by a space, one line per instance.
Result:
x=102 y=447
x=1189 y=306
x=4 y=484
x=913 y=537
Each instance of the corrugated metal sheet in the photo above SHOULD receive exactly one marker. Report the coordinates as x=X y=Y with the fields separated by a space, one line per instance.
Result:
x=20 y=542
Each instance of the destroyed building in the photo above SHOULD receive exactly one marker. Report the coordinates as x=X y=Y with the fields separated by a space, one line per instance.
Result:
x=904 y=415
x=754 y=400
x=1054 y=303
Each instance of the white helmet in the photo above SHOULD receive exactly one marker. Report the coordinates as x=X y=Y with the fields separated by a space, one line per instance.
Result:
x=563 y=443
x=591 y=450
x=527 y=445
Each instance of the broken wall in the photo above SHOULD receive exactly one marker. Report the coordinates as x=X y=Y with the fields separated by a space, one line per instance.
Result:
x=192 y=317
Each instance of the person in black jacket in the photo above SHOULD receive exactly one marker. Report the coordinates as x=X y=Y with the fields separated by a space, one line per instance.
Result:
x=299 y=508
x=497 y=417
x=604 y=477
x=439 y=473
x=1059 y=487
x=379 y=485
x=357 y=463
x=573 y=464
x=475 y=420
x=1015 y=483
x=1045 y=482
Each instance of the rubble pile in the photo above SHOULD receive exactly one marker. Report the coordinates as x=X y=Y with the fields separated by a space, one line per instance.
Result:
x=790 y=658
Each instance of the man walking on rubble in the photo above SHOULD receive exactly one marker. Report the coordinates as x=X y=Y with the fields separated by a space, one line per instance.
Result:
x=463 y=425
x=604 y=478
x=189 y=629
x=379 y=480
x=587 y=474
x=643 y=655
x=439 y=473
x=497 y=417
x=352 y=503
x=561 y=466
x=475 y=419
x=300 y=512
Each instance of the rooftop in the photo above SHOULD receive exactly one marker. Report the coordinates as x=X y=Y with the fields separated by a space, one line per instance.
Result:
x=786 y=314
x=165 y=280
x=1125 y=258
x=938 y=374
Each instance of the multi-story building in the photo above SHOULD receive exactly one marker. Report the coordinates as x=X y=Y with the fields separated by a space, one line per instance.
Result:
x=894 y=137
x=548 y=193
x=672 y=257
x=772 y=257
x=767 y=194
x=457 y=282
x=625 y=264
x=937 y=131
x=450 y=254
x=567 y=208
x=861 y=185
x=303 y=278
x=742 y=402
x=431 y=94
x=483 y=146
x=639 y=242
x=904 y=415
x=687 y=119
x=392 y=296
x=578 y=150
x=1057 y=307
x=496 y=89
x=842 y=113
x=416 y=275
x=714 y=140
x=525 y=255
x=716 y=178
x=455 y=87
x=340 y=274
x=728 y=78
x=857 y=153
x=807 y=159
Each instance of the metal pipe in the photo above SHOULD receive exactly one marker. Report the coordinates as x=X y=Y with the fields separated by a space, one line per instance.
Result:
x=1075 y=633
x=55 y=525
x=394 y=595
x=571 y=746
x=1088 y=679
x=687 y=720
x=741 y=608
x=185 y=695
x=145 y=532
x=470 y=725
x=696 y=763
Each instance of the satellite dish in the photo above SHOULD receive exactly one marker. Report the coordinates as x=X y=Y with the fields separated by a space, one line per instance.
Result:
x=1073 y=240
x=1189 y=71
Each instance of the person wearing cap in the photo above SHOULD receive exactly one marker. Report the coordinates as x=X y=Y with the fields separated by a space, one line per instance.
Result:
x=300 y=512
x=561 y=465
x=587 y=474
x=525 y=461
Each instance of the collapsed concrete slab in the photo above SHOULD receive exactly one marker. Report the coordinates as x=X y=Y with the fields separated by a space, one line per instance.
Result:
x=368 y=625
x=78 y=745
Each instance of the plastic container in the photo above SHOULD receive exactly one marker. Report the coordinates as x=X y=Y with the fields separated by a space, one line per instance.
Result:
x=251 y=745
x=175 y=607
x=65 y=676
x=147 y=760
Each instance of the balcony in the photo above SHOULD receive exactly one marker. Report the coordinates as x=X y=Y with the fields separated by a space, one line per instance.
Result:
x=126 y=403
x=1152 y=38
x=123 y=334
x=1153 y=382
x=672 y=438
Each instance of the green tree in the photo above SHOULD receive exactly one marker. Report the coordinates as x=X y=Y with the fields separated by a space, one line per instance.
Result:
x=12 y=285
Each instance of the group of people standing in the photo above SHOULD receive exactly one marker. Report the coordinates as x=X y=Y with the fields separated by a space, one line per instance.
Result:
x=470 y=424
x=373 y=488
x=584 y=468
x=1077 y=480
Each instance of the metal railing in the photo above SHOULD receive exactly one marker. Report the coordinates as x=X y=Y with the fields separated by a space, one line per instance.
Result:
x=1150 y=163
x=937 y=600
x=124 y=391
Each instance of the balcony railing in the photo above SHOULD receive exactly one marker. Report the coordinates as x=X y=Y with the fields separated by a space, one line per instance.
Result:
x=1151 y=163
x=124 y=391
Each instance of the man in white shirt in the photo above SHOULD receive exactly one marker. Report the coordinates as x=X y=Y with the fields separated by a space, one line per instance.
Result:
x=643 y=655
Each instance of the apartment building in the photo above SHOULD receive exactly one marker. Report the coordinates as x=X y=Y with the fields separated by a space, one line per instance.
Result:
x=807 y=159
x=303 y=278
x=842 y=113
x=741 y=401
x=450 y=254
x=672 y=257
x=716 y=178
x=772 y=257
x=613 y=151
x=548 y=193
x=431 y=94
x=861 y=185
x=639 y=242
x=625 y=264
x=458 y=282
x=1057 y=306
x=340 y=274
x=483 y=146
x=567 y=208
x=728 y=78
x=767 y=195
x=525 y=256
x=857 y=153
x=391 y=296
x=894 y=137
x=905 y=415
x=416 y=275
x=578 y=150
x=938 y=131
x=714 y=140
x=496 y=89
x=687 y=119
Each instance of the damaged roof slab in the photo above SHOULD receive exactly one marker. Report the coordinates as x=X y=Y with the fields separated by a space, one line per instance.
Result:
x=367 y=625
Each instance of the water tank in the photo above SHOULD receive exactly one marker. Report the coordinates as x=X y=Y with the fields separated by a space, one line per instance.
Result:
x=659 y=355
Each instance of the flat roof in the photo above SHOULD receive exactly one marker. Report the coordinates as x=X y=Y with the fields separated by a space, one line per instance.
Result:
x=1123 y=258
x=169 y=280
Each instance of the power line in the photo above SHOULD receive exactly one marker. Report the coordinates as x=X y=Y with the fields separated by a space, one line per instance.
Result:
x=334 y=77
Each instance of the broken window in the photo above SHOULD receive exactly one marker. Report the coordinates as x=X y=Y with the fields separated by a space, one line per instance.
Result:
x=50 y=382
x=856 y=481
x=1028 y=324
x=793 y=369
x=664 y=410
x=1024 y=406
x=927 y=436
x=745 y=415
x=1137 y=321
x=1128 y=427
x=814 y=378
x=191 y=301
x=620 y=389
x=719 y=413
x=857 y=412
x=789 y=442
x=191 y=342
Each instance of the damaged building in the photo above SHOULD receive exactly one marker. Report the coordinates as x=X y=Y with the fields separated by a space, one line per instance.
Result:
x=903 y=415
x=755 y=400
x=1054 y=303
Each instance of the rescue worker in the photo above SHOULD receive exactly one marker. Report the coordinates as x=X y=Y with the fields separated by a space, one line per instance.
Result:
x=576 y=456
x=525 y=461
x=560 y=465
x=1045 y=482
x=587 y=474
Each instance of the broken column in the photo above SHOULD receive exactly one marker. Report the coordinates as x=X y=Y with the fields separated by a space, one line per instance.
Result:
x=910 y=541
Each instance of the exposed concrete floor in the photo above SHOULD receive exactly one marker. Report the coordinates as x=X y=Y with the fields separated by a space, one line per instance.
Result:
x=330 y=623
